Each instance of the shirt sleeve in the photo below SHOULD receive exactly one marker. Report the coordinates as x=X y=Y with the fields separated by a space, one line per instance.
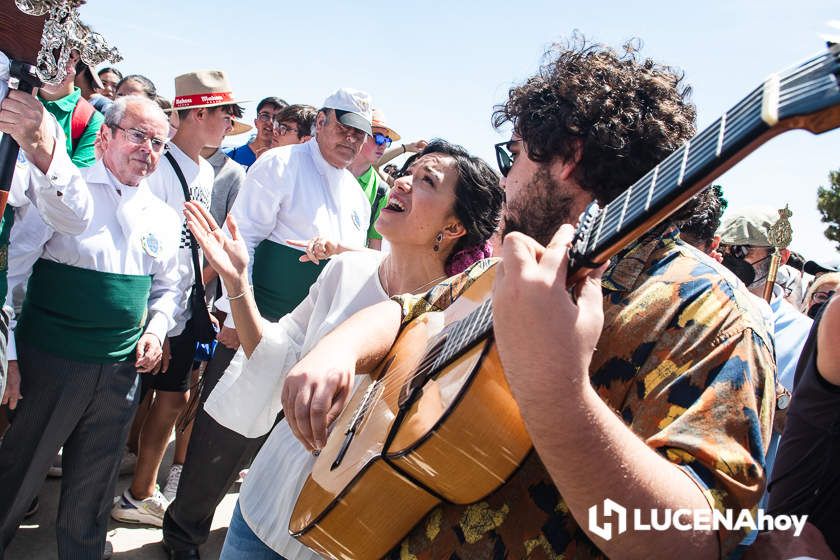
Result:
x=715 y=418
x=258 y=380
x=165 y=295
x=84 y=155
x=61 y=194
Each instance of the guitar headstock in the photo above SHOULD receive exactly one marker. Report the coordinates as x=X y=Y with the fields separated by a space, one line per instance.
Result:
x=807 y=96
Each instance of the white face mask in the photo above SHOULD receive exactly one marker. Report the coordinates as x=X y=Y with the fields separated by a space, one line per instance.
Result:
x=4 y=75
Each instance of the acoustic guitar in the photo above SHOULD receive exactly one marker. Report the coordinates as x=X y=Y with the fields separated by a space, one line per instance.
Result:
x=436 y=421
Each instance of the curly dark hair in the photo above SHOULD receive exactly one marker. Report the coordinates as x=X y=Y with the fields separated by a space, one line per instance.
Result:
x=617 y=115
x=699 y=219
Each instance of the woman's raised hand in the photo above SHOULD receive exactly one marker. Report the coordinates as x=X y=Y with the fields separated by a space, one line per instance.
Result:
x=227 y=255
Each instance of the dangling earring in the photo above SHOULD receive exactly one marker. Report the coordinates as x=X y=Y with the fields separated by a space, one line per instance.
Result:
x=438 y=239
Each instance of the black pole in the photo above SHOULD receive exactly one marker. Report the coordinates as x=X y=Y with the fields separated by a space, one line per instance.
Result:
x=28 y=79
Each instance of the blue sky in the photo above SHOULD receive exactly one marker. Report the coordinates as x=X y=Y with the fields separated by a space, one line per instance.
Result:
x=437 y=68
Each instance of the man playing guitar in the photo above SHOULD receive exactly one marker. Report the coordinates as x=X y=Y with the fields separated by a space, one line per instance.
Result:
x=651 y=384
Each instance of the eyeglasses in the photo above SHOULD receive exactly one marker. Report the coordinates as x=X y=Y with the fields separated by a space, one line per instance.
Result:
x=284 y=129
x=504 y=157
x=380 y=139
x=821 y=297
x=265 y=117
x=139 y=137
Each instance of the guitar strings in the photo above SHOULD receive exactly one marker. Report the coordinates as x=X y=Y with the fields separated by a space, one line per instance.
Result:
x=707 y=139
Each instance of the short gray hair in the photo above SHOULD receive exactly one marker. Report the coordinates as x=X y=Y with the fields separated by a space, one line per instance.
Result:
x=116 y=112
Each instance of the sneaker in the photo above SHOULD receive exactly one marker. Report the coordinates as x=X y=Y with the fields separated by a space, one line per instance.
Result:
x=55 y=469
x=149 y=511
x=172 y=480
x=128 y=462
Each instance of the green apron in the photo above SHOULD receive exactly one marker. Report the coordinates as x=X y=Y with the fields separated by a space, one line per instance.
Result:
x=83 y=315
x=280 y=280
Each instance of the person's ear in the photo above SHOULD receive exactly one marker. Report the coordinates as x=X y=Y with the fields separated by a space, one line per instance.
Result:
x=454 y=230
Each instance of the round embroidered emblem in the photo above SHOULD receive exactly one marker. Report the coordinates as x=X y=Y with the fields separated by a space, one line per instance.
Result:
x=150 y=245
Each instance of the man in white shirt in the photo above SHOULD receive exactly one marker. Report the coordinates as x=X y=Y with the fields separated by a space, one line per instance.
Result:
x=294 y=192
x=206 y=107
x=98 y=305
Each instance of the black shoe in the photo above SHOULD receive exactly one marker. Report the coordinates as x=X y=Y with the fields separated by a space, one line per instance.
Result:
x=188 y=554
x=33 y=508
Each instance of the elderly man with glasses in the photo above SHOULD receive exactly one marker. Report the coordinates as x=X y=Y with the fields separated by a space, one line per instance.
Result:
x=265 y=123
x=99 y=303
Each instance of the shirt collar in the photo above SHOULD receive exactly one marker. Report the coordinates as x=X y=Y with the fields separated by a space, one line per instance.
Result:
x=323 y=167
x=628 y=265
x=65 y=105
x=98 y=173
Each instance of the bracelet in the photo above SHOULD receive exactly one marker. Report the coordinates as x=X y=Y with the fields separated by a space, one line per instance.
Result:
x=403 y=146
x=231 y=298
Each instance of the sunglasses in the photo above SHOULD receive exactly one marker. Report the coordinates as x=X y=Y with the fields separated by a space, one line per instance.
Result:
x=380 y=139
x=504 y=157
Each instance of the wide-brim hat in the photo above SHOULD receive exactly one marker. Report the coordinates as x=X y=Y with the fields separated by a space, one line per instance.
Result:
x=352 y=108
x=378 y=121
x=204 y=88
x=239 y=127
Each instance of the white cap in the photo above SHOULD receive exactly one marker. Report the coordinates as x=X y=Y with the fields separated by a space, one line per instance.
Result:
x=352 y=107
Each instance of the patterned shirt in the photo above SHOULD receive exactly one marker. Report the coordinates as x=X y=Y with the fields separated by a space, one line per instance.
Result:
x=684 y=358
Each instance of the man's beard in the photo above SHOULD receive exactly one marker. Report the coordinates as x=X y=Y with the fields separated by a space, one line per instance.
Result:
x=541 y=210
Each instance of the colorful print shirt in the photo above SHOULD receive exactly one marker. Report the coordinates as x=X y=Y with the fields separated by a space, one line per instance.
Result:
x=684 y=359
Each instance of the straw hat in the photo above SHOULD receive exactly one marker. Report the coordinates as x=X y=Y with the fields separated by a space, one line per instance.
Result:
x=378 y=121
x=205 y=88
x=239 y=127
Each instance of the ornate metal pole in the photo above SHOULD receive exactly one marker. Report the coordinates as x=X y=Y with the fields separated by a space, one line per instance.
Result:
x=779 y=235
x=63 y=32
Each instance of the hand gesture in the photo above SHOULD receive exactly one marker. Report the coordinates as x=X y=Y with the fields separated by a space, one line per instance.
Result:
x=317 y=249
x=227 y=255
x=24 y=118
x=149 y=353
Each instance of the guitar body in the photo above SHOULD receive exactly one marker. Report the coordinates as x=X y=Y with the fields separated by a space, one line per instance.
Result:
x=458 y=440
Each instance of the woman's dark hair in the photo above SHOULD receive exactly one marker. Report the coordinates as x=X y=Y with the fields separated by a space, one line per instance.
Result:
x=146 y=84
x=478 y=199
x=112 y=70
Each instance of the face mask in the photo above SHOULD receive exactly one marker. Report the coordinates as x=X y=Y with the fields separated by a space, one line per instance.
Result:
x=740 y=268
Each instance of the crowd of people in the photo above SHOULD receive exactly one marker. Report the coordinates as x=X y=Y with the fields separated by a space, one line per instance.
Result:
x=158 y=283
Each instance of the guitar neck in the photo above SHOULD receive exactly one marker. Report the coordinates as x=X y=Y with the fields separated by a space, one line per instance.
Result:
x=664 y=189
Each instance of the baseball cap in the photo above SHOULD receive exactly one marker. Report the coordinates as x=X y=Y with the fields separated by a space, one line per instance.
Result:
x=748 y=226
x=815 y=267
x=352 y=108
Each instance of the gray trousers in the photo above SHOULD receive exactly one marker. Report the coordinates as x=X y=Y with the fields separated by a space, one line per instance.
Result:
x=87 y=408
x=214 y=458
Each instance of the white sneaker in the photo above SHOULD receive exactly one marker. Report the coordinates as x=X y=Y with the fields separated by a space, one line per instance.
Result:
x=149 y=511
x=172 y=480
